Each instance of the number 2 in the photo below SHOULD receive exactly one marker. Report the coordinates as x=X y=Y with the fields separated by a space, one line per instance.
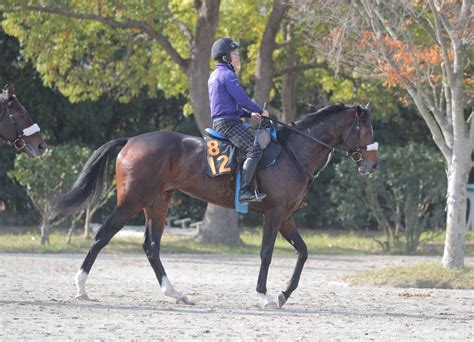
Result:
x=222 y=167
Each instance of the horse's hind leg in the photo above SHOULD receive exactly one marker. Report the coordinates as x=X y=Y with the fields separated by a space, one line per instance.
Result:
x=114 y=222
x=290 y=233
x=155 y=215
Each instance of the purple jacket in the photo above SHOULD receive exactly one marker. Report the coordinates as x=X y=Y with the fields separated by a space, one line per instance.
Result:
x=226 y=96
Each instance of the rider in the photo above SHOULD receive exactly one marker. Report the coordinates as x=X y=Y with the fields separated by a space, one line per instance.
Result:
x=229 y=103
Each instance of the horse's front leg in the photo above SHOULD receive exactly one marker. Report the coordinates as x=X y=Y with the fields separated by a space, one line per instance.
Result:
x=273 y=220
x=289 y=232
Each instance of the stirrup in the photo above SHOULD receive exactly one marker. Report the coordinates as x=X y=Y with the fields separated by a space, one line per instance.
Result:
x=259 y=196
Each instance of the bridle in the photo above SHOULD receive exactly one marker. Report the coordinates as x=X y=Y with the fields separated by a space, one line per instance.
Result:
x=355 y=154
x=19 y=143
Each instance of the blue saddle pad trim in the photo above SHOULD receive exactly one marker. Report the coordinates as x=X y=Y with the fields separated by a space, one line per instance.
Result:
x=215 y=134
x=239 y=207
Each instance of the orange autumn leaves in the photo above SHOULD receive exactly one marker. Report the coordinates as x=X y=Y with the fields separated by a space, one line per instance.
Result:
x=405 y=63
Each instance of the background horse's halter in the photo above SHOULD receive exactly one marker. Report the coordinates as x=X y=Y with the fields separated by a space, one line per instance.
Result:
x=19 y=143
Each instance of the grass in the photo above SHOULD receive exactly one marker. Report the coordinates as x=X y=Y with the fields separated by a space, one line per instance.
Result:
x=318 y=243
x=425 y=275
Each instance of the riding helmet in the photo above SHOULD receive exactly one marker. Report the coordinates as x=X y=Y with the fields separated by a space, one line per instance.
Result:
x=222 y=47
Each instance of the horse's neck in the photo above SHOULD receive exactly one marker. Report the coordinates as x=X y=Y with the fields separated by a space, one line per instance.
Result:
x=331 y=132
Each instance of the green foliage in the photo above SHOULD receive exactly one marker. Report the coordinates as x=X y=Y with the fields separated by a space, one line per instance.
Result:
x=86 y=59
x=50 y=175
x=12 y=196
x=403 y=198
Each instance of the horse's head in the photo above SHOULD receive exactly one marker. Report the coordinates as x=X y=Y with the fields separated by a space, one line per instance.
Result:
x=17 y=127
x=359 y=140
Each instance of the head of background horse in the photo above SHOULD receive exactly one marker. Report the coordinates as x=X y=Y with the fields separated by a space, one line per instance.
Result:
x=359 y=140
x=17 y=127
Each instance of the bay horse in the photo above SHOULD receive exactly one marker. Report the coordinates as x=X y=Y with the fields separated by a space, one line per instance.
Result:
x=17 y=129
x=150 y=167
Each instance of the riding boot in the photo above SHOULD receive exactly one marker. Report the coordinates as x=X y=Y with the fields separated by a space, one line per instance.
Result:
x=248 y=172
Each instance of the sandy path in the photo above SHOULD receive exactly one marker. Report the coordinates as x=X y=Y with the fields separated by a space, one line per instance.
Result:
x=36 y=301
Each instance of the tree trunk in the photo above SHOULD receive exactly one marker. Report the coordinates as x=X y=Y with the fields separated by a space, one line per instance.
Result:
x=44 y=233
x=456 y=208
x=265 y=68
x=288 y=96
x=220 y=225
x=71 y=230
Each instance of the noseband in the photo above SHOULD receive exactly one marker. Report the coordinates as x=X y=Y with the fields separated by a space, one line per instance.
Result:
x=19 y=143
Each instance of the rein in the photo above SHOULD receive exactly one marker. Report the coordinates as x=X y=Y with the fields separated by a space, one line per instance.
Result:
x=344 y=152
x=19 y=143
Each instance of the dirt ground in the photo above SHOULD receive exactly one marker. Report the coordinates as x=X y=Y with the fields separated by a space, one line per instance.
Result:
x=37 y=301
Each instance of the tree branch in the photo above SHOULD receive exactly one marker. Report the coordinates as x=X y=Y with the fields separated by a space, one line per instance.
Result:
x=115 y=24
x=470 y=121
x=441 y=120
x=126 y=59
x=432 y=125
x=442 y=42
x=180 y=25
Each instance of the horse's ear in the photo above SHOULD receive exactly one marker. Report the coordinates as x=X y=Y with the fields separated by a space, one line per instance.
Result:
x=10 y=91
x=368 y=107
x=359 y=111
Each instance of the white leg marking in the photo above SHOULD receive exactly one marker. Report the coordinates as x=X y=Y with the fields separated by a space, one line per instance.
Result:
x=268 y=302
x=168 y=290
x=81 y=278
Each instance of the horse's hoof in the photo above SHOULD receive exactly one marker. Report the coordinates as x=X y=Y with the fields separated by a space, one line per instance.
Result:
x=281 y=299
x=83 y=296
x=268 y=302
x=184 y=300
x=270 y=306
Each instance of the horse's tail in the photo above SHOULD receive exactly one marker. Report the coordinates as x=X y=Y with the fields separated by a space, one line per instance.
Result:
x=88 y=186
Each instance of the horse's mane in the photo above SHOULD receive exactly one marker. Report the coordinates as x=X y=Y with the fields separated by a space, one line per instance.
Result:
x=310 y=120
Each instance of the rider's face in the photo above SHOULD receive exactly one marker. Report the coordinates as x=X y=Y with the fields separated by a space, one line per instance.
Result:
x=235 y=59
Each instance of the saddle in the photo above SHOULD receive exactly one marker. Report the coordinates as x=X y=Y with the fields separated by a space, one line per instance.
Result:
x=224 y=158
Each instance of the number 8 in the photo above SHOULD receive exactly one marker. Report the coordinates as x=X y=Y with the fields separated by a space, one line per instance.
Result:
x=213 y=148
